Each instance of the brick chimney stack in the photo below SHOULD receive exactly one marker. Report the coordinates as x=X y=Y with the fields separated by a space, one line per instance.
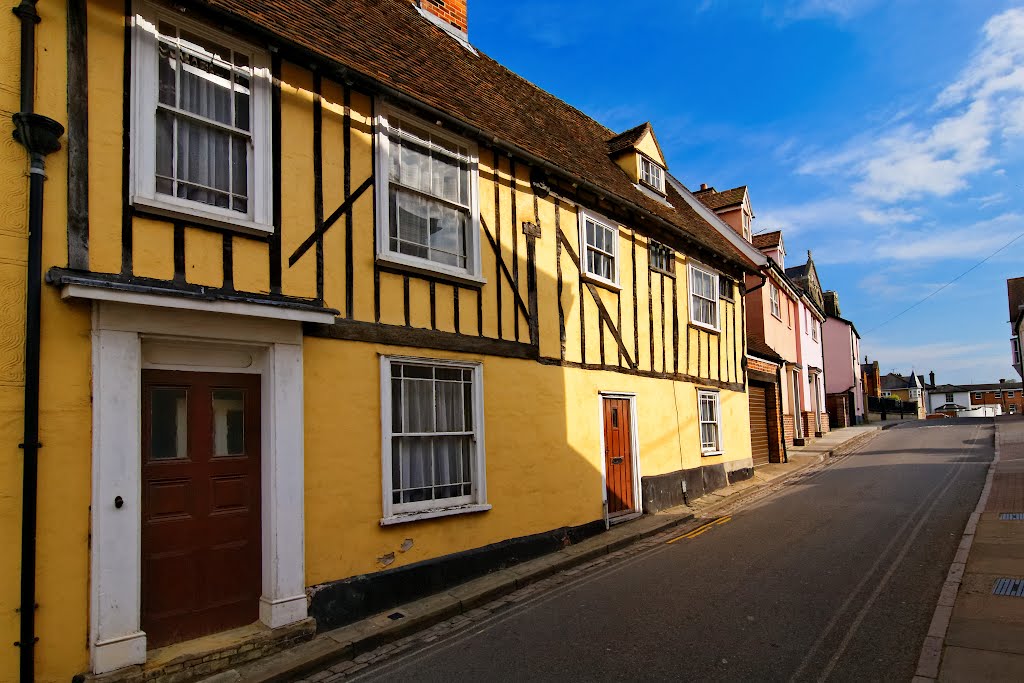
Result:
x=931 y=378
x=449 y=11
x=832 y=304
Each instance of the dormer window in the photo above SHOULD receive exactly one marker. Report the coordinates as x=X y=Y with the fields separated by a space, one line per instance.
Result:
x=652 y=175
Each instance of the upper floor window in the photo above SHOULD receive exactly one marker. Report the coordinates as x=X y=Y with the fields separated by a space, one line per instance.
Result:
x=999 y=394
x=703 y=297
x=663 y=259
x=814 y=329
x=977 y=395
x=200 y=123
x=746 y=226
x=427 y=198
x=433 y=445
x=725 y=288
x=652 y=174
x=1010 y=394
x=1015 y=350
x=949 y=398
x=773 y=297
x=599 y=243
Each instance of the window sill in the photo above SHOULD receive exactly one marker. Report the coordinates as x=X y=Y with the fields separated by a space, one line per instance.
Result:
x=711 y=454
x=601 y=282
x=705 y=328
x=196 y=215
x=402 y=518
x=421 y=267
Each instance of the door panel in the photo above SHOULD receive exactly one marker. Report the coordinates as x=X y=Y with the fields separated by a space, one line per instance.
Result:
x=618 y=456
x=759 y=426
x=200 y=504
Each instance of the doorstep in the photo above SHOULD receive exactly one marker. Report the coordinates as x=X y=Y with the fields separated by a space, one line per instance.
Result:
x=195 y=659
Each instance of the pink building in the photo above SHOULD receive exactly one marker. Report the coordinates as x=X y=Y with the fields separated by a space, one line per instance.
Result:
x=810 y=347
x=844 y=385
x=786 y=369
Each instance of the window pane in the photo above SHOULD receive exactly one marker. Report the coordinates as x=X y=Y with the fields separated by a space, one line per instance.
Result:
x=415 y=166
x=228 y=422
x=167 y=67
x=239 y=173
x=164 y=152
x=203 y=163
x=410 y=224
x=449 y=407
x=447 y=236
x=418 y=405
x=242 y=100
x=168 y=423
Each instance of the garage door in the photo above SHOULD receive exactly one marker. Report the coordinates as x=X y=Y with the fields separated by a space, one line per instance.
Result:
x=758 y=426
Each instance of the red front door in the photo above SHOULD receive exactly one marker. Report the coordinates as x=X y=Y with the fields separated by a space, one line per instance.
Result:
x=200 y=503
x=618 y=456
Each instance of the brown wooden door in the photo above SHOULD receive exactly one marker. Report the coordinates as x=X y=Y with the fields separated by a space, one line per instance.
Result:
x=200 y=503
x=618 y=456
x=759 y=426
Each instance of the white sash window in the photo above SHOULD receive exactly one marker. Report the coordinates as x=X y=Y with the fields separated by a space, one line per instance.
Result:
x=200 y=123
x=703 y=297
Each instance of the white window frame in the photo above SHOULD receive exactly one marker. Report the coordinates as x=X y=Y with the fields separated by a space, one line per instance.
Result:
x=718 y=449
x=950 y=398
x=583 y=216
x=999 y=394
x=1011 y=394
x=775 y=300
x=144 y=96
x=473 y=272
x=397 y=513
x=657 y=173
x=814 y=329
x=1015 y=352
x=977 y=395
x=696 y=267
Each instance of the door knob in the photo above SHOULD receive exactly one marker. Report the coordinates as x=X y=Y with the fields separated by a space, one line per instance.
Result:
x=118 y=502
x=617 y=461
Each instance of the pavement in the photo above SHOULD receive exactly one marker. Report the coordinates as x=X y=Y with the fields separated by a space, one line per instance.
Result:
x=977 y=631
x=347 y=650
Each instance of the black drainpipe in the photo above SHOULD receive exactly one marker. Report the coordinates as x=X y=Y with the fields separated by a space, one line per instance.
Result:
x=40 y=137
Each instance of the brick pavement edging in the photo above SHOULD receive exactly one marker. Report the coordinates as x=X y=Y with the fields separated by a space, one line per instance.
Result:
x=373 y=637
x=931 y=651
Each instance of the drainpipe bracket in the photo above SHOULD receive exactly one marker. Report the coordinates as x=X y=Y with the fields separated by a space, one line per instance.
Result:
x=22 y=446
x=26 y=10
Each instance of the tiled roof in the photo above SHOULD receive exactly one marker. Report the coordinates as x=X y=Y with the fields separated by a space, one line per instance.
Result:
x=387 y=42
x=995 y=386
x=948 y=388
x=797 y=272
x=768 y=240
x=757 y=347
x=720 y=200
x=894 y=381
x=627 y=139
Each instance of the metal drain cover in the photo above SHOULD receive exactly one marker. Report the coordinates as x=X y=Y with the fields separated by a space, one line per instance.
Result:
x=1009 y=587
x=1012 y=516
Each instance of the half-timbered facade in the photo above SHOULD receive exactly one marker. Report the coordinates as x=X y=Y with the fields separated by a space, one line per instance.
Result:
x=336 y=305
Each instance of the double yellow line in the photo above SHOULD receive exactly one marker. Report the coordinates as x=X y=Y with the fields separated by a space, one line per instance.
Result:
x=694 y=533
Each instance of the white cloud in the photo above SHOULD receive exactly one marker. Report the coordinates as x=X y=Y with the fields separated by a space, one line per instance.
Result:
x=887 y=216
x=982 y=107
x=797 y=10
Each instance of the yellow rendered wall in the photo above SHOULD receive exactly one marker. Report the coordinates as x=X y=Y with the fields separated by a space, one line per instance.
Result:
x=543 y=456
x=64 y=464
x=649 y=146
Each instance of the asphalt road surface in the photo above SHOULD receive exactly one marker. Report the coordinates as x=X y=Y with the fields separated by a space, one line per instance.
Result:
x=833 y=577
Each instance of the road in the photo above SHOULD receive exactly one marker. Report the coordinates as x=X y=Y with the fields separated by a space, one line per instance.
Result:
x=833 y=577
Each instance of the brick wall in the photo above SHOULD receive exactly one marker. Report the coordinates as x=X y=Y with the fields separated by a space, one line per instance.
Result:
x=761 y=366
x=774 y=437
x=787 y=429
x=451 y=11
x=989 y=398
x=825 y=426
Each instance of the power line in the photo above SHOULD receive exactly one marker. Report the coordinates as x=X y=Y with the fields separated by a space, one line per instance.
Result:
x=918 y=303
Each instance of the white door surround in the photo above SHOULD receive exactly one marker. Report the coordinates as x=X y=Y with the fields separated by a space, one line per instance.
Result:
x=127 y=338
x=638 y=503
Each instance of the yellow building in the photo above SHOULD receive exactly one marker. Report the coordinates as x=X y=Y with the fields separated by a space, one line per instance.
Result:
x=336 y=310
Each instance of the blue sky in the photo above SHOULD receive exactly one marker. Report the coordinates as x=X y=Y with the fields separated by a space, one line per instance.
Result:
x=885 y=135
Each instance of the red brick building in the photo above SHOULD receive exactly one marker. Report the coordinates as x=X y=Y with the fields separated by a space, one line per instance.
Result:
x=1006 y=394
